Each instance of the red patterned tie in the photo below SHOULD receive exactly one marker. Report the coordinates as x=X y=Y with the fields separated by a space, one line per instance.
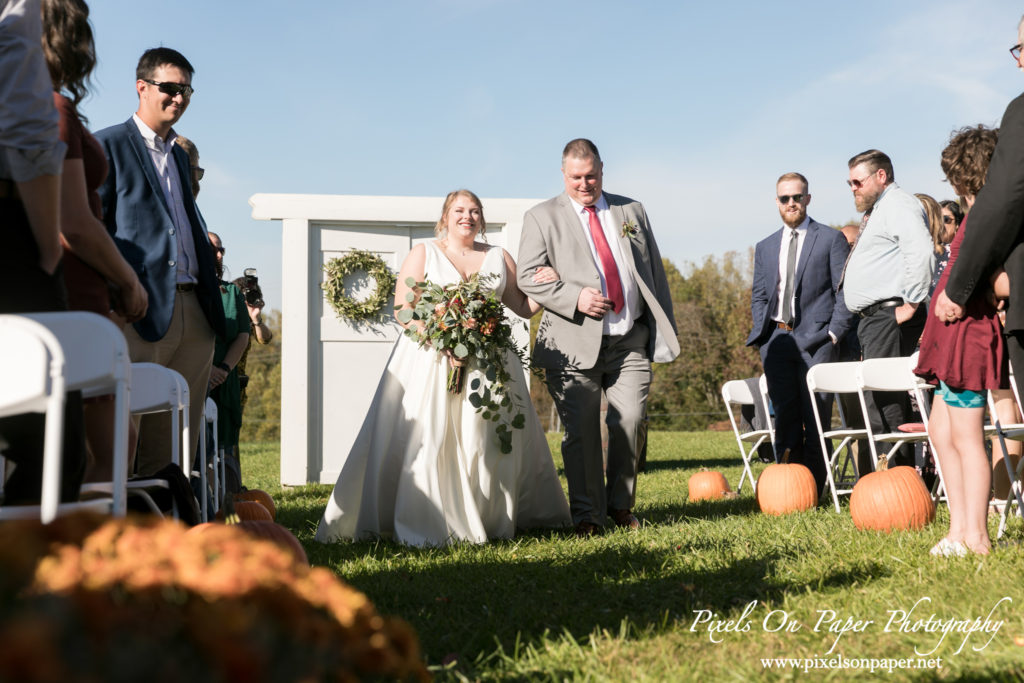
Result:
x=611 y=271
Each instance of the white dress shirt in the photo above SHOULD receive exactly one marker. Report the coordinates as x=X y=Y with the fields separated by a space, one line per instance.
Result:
x=621 y=322
x=787 y=236
x=161 y=152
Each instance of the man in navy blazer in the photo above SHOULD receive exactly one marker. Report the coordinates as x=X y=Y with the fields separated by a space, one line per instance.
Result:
x=799 y=317
x=149 y=209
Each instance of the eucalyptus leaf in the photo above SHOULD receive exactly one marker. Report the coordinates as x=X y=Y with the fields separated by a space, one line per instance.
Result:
x=405 y=315
x=410 y=297
x=490 y=374
x=474 y=400
x=475 y=384
x=460 y=350
x=410 y=282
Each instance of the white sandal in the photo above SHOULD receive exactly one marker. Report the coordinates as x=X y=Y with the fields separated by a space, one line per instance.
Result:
x=948 y=548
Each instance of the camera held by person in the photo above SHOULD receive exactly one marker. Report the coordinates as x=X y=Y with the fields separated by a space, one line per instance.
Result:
x=251 y=289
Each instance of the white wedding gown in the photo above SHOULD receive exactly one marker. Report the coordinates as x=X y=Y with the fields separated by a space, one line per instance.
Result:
x=426 y=469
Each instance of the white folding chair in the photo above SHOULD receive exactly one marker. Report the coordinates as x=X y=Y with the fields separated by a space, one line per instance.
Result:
x=737 y=392
x=162 y=390
x=219 y=486
x=158 y=389
x=835 y=378
x=896 y=375
x=97 y=363
x=1003 y=432
x=84 y=352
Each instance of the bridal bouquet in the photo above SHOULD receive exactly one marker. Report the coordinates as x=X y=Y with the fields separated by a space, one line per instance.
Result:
x=467 y=322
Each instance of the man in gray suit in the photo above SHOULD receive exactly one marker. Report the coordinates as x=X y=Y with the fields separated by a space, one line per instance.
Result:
x=605 y=320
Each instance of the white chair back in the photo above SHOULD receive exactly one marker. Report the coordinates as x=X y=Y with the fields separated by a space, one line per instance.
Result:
x=897 y=375
x=833 y=378
x=97 y=363
x=32 y=381
x=737 y=392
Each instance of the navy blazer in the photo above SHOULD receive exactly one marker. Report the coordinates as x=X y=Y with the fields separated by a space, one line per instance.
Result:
x=820 y=307
x=137 y=216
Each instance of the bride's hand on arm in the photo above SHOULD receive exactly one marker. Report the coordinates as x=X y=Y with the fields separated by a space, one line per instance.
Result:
x=413 y=267
x=544 y=275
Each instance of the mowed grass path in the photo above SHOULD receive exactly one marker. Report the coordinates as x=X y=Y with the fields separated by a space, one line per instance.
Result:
x=647 y=605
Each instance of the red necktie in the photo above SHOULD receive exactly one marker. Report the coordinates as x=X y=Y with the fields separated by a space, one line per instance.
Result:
x=611 y=271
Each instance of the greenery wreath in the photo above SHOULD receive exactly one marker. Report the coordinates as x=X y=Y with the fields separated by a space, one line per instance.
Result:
x=357 y=260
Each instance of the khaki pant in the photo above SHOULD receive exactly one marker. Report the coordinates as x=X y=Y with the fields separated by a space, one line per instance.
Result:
x=187 y=347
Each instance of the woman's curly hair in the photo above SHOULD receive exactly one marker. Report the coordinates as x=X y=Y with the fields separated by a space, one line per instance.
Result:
x=966 y=158
x=68 y=46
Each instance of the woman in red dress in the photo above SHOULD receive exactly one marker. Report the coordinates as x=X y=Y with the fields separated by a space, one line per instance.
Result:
x=964 y=358
x=93 y=266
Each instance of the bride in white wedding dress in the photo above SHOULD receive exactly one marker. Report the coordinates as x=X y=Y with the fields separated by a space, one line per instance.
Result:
x=426 y=469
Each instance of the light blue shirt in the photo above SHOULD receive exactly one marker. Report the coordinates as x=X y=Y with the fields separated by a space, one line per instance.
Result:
x=162 y=154
x=894 y=256
x=30 y=144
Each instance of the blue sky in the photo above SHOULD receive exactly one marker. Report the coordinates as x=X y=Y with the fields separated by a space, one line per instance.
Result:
x=697 y=107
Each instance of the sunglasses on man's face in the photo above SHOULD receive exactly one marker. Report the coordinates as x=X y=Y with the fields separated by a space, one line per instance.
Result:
x=784 y=199
x=172 y=89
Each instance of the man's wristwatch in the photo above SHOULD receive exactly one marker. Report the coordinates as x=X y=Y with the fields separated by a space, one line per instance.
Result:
x=223 y=366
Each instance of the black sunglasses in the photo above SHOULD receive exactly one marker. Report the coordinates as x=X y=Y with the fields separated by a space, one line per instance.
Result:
x=172 y=89
x=199 y=171
x=1015 y=52
x=220 y=250
x=784 y=199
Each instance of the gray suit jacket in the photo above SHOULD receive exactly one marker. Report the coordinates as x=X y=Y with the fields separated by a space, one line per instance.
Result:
x=553 y=236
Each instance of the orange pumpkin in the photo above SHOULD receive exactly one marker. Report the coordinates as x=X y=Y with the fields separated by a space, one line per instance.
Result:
x=786 y=487
x=261 y=497
x=707 y=485
x=891 y=498
x=272 y=531
x=251 y=510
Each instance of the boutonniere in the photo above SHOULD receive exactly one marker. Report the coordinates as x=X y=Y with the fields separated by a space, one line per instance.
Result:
x=630 y=229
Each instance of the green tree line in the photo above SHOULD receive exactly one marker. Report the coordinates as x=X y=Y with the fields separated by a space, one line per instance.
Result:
x=711 y=302
x=261 y=418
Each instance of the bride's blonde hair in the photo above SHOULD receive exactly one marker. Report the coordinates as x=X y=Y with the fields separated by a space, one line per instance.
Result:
x=442 y=224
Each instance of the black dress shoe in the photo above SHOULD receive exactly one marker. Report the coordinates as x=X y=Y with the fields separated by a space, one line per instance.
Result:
x=587 y=529
x=624 y=518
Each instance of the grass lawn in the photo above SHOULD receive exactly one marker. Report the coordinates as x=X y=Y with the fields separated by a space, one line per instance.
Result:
x=702 y=591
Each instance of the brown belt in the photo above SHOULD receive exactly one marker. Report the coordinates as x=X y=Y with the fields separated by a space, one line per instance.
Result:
x=186 y=286
x=785 y=326
x=8 y=189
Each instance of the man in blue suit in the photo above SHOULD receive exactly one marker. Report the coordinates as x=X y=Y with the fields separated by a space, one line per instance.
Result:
x=799 y=317
x=149 y=209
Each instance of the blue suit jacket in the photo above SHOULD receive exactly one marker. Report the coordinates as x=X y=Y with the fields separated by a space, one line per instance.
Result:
x=820 y=308
x=137 y=216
